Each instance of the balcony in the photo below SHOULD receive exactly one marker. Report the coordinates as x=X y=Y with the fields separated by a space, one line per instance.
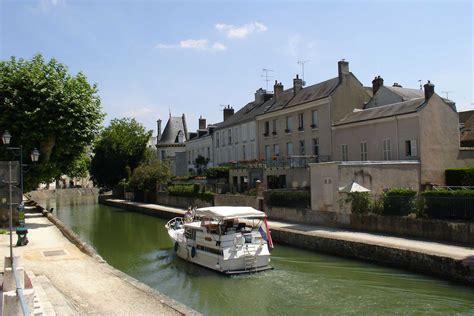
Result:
x=277 y=162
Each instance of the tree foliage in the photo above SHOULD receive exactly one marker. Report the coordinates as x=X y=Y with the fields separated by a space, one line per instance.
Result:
x=200 y=163
x=146 y=176
x=79 y=168
x=45 y=107
x=121 y=147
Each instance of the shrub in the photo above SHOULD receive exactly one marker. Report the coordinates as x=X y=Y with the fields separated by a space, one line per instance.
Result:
x=290 y=198
x=460 y=177
x=399 y=201
x=189 y=190
x=449 y=204
x=217 y=172
x=360 y=202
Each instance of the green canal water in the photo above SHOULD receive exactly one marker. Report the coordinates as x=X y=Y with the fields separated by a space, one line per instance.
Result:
x=302 y=283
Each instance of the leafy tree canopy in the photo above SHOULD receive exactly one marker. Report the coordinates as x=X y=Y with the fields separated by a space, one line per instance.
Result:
x=122 y=146
x=147 y=176
x=45 y=107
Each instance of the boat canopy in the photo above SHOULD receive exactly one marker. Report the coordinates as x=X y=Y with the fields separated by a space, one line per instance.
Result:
x=229 y=212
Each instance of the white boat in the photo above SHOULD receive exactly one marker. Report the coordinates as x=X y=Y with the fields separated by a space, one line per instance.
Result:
x=229 y=239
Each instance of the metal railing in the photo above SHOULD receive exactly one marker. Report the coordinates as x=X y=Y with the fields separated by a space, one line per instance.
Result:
x=277 y=162
x=19 y=289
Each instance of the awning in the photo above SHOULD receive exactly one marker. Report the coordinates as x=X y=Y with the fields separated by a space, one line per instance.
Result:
x=229 y=212
x=353 y=187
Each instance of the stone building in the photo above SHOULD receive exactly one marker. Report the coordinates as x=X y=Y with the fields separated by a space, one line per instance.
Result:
x=200 y=144
x=171 y=144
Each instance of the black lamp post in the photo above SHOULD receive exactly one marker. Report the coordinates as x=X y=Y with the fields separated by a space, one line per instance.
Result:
x=17 y=151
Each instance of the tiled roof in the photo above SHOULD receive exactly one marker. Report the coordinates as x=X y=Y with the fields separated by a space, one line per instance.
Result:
x=382 y=111
x=172 y=128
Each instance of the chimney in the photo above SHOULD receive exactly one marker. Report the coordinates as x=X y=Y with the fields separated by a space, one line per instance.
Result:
x=376 y=84
x=228 y=112
x=277 y=90
x=343 y=69
x=158 y=123
x=185 y=126
x=260 y=96
x=397 y=85
x=202 y=122
x=297 y=84
x=429 y=90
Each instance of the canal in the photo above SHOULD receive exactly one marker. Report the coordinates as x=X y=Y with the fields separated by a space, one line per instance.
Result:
x=302 y=282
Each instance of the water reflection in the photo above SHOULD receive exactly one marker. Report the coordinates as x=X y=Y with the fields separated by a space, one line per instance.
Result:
x=303 y=282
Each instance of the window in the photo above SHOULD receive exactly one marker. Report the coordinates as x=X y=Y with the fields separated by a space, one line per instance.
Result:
x=274 y=123
x=289 y=126
x=209 y=152
x=302 y=149
x=268 y=153
x=345 y=153
x=301 y=121
x=267 y=129
x=180 y=137
x=316 y=146
x=163 y=155
x=230 y=136
x=411 y=149
x=217 y=140
x=223 y=138
x=189 y=157
x=276 y=150
x=244 y=155
x=289 y=149
x=363 y=151
x=387 y=154
x=314 y=119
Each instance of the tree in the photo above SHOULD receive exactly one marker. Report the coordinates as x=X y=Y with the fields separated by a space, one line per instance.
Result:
x=45 y=107
x=147 y=176
x=201 y=164
x=121 y=147
x=79 y=168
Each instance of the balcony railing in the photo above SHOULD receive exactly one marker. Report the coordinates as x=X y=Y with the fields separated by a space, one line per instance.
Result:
x=278 y=162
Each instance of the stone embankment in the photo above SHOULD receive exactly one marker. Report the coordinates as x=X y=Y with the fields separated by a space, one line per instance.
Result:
x=438 y=259
x=82 y=281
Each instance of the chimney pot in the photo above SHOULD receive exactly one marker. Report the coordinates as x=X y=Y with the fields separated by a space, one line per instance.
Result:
x=429 y=90
x=228 y=112
x=376 y=84
x=277 y=90
x=202 y=123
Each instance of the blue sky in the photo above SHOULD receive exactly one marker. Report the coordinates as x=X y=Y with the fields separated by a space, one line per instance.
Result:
x=149 y=57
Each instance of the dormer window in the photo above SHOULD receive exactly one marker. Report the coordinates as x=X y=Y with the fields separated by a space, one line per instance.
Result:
x=180 y=137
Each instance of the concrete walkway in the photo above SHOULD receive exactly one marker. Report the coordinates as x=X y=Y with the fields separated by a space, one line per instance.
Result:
x=78 y=284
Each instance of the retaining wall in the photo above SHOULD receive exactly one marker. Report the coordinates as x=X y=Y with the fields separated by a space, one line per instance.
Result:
x=235 y=200
x=163 y=198
x=40 y=195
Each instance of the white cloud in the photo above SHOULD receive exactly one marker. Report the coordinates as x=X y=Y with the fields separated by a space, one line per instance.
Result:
x=194 y=44
x=46 y=4
x=141 y=112
x=243 y=31
x=300 y=47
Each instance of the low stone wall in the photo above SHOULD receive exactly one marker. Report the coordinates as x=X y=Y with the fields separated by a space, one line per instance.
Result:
x=449 y=268
x=163 y=198
x=235 y=200
x=40 y=195
x=430 y=229
x=156 y=210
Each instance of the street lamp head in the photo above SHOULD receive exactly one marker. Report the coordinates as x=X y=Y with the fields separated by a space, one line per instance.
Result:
x=35 y=155
x=6 y=137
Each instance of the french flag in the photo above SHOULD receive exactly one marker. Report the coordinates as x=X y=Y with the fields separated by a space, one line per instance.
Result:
x=265 y=232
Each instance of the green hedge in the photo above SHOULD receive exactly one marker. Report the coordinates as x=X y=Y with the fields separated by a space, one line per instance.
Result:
x=360 y=202
x=190 y=190
x=449 y=204
x=460 y=177
x=217 y=172
x=399 y=201
x=290 y=198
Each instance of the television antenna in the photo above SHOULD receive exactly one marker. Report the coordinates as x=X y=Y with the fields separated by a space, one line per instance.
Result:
x=447 y=93
x=421 y=87
x=266 y=76
x=302 y=62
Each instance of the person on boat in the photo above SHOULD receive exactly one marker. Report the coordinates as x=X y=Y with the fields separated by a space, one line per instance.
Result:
x=188 y=216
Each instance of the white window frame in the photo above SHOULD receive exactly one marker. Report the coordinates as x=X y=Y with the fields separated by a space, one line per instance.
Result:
x=314 y=119
x=387 y=150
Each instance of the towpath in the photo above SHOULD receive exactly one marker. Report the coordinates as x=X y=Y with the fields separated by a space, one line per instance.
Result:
x=74 y=283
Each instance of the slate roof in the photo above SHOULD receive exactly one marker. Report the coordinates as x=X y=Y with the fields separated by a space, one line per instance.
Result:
x=382 y=111
x=315 y=92
x=242 y=115
x=389 y=95
x=172 y=128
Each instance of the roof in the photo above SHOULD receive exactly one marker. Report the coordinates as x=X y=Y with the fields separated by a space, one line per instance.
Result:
x=389 y=95
x=274 y=104
x=229 y=212
x=353 y=187
x=172 y=129
x=382 y=111
x=315 y=92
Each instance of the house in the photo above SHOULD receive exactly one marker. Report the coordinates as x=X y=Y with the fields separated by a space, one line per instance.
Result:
x=403 y=137
x=295 y=126
x=171 y=144
x=200 y=144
